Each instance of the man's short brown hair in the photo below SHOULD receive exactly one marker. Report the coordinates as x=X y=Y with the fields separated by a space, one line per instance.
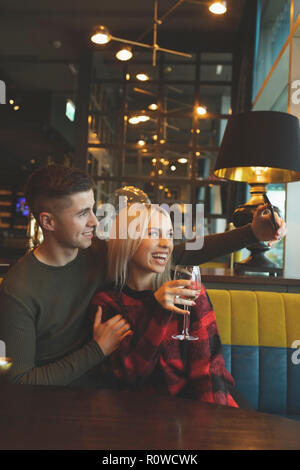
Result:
x=54 y=183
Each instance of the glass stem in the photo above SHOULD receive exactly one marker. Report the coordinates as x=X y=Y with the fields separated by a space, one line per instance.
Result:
x=186 y=323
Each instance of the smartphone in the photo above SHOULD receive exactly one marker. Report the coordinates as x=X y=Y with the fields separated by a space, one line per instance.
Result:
x=267 y=201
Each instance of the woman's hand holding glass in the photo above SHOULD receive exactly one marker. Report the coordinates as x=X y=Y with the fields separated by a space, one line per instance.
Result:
x=192 y=273
x=168 y=295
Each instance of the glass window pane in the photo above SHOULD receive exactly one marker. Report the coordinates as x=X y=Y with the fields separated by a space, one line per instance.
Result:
x=216 y=72
x=210 y=132
x=273 y=32
x=177 y=131
x=216 y=99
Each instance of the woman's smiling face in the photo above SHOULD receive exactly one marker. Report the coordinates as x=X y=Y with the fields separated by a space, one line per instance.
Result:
x=156 y=246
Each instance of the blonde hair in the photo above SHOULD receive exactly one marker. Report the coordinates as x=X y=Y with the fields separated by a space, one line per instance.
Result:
x=121 y=250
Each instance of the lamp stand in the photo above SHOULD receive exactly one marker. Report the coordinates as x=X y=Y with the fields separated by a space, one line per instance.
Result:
x=256 y=261
x=34 y=234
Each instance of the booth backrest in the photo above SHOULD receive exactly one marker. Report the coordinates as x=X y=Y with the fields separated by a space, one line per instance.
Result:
x=260 y=332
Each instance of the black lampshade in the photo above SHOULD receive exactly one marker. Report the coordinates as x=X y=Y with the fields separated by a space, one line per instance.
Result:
x=260 y=146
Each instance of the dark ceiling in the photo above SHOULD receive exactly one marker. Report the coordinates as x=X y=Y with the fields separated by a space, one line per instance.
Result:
x=41 y=43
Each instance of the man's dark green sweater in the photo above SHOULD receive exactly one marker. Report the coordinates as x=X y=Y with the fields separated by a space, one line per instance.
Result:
x=44 y=319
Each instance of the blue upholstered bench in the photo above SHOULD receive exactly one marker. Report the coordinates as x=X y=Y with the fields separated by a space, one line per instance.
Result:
x=259 y=332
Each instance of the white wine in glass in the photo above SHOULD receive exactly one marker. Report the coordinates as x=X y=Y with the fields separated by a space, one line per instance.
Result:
x=190 y=273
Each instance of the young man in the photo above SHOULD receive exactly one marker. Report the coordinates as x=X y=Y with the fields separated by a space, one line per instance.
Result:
x=44 y=298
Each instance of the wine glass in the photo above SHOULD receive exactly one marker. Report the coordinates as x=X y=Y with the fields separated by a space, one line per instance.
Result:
x=191 y=273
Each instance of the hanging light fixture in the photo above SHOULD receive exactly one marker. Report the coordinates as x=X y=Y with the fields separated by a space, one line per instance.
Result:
x=101 y=35
x=125 y=53
x=218 y=7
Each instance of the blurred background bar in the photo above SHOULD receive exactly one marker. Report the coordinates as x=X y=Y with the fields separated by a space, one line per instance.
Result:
x=71 y=101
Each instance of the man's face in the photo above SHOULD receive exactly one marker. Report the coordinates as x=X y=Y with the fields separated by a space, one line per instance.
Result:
x=75 y=224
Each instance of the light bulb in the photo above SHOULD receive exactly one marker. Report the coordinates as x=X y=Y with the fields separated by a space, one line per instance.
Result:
x=182 y=160
x=101 y=35
x=259 y=170
x=201 y=110
x=124 y=54
x=153 y=106
x=143 y=77
x=218 y=8
x=134 y=120
x=143 y=118
x=141 y=142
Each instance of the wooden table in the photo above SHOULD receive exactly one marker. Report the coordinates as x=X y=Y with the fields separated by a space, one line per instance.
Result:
x=37 y=417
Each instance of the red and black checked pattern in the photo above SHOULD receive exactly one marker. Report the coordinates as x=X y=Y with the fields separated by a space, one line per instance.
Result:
x=195 y=367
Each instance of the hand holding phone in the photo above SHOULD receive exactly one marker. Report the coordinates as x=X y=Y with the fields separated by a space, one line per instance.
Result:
x=271 y=209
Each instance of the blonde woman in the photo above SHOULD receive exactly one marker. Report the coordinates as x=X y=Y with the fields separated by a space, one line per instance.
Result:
x=139 y=257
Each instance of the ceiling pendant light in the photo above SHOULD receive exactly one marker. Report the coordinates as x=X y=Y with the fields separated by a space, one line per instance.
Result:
x=101 y=35
x=143 y=77
x=125 y=53
x=134 y=120
x=153 y=106
x=143 y=118
x=201 y=110
x=218 y=7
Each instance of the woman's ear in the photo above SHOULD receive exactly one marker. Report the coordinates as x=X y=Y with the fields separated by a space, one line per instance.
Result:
x=47 y=221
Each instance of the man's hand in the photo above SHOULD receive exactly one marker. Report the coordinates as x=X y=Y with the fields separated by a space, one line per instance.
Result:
x=262 y=226
x=168 y=295
x=109 y=335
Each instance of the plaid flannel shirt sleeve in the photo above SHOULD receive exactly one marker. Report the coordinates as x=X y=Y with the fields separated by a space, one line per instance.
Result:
x=138 y=354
